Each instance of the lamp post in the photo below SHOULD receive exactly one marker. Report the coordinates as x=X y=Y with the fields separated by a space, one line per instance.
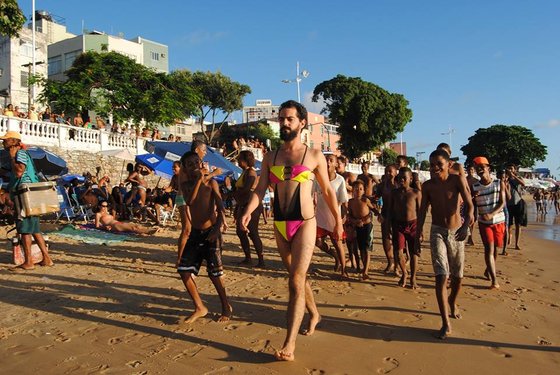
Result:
x=418 y=161
x=299 y=77
x=449 y=132
x=30 y=66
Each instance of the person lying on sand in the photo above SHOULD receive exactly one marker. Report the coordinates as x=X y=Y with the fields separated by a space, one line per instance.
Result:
x=104 y=220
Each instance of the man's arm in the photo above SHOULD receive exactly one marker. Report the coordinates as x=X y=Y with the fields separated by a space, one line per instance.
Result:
x=424 y=204
x=190 y=190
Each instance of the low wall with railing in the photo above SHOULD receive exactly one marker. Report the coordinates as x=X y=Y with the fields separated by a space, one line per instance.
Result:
x=41 y=133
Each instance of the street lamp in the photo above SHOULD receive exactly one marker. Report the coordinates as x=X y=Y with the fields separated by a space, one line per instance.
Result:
x=449 y=132
x=299 y=76
x=418 y=161
x=30 y=87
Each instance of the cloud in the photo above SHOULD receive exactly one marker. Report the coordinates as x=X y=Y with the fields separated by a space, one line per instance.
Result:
x=202 y=37
x=310 y=105
x=550 y=124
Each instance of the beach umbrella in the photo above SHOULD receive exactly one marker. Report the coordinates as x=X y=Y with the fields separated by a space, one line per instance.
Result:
x=161 y=167
x=174 y=150
x=46 y=162
x=122 y=153
x=68 y=178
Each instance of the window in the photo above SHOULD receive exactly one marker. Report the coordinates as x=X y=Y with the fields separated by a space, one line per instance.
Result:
x=26 y=49
x=69 y=58
x=155 y=55
x=24 y=78
x=55 y=65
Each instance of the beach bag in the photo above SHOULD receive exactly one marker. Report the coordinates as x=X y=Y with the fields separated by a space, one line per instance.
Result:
x=18 y=255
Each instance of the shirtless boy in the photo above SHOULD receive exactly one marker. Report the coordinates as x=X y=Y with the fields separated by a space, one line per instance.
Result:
x=443 y=193
x=385 y=189
x=360 y=211
x=349 y=232
x=403 y=206
x=202 y=196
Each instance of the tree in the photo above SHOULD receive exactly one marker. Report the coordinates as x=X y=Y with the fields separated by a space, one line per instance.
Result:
x=503 y=144
x=388 y=156
x=217 y=93
x=109 y=82
x=411 y=160
x=11 y=18
x=368 y=116
x=424 y=165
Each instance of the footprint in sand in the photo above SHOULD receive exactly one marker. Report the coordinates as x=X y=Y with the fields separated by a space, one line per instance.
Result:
x=260 y=346
x=233 y=327
x=389 y=364
x=315 y=371
x=498 y=351
x=220 y=370
x=415 y=318
x=543 y=341
x=190 y=352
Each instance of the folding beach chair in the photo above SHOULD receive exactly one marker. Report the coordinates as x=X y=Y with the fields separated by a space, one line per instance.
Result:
x=67 y=209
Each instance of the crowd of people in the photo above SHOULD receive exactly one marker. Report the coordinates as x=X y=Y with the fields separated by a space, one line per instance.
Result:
x=313 y=200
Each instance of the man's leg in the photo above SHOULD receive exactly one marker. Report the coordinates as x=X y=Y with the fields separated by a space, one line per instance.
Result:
x=517 y=235
x=301 y=296
x=456 y=283
x=227 y=310
x=413 y=270
x=402 y=266
x=40 y=241
x=199 y=309
x=490 y=263
x=387 y=245
x=26 y=243
x=340 y=255
x=441 y=296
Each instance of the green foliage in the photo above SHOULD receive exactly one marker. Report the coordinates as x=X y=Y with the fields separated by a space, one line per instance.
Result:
x=217 y=94
x=411 y=160
x=424 y=165
x=367 y=114
x=113 y=83
x=388 y=156
x=503 y=144
x=11 y=18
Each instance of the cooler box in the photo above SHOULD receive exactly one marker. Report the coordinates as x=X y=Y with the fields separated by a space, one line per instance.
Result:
x=35 y=199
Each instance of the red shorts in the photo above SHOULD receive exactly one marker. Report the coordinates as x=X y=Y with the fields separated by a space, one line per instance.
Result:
x=404 y=233
x=321 y=232
x=492 y=233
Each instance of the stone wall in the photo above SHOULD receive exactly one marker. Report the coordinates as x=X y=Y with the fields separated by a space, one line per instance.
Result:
x=79 y=162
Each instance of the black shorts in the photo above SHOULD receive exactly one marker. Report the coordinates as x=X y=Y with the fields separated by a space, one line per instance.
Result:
x=364 y=237
x=518 y=214
x=197 y=249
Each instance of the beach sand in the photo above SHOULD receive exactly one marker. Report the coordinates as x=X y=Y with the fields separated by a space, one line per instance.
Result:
x=116 y=309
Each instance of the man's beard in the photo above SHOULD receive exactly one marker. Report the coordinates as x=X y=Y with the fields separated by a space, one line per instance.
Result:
x=287 y=134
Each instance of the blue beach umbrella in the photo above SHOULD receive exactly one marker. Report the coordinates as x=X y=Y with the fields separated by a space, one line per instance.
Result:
x=161 y=167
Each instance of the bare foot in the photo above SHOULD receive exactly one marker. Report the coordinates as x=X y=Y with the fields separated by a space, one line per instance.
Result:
x=402 y=281
x=443 y=333
x=365 y=276
x=260 y=264
x=198 y=313
x=283 y=355
x=454 y=311
x=414 y=285
x=313 y=321
x=494 y=287
x=227 y=313
x=504 y=253
x=388 y=268
x=487 y=274
x=517 y=247
x=22 y=267
x=47 y=262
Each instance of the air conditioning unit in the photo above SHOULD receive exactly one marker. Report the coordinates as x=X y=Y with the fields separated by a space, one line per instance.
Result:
x=163 y=55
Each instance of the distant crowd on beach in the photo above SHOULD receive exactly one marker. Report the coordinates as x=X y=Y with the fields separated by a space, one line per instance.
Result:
x=313 y=201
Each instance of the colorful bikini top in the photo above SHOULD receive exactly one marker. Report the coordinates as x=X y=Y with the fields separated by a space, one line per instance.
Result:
x=288 y=222
x=298 y=172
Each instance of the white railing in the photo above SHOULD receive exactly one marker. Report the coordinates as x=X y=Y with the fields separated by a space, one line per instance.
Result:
x=41 y=133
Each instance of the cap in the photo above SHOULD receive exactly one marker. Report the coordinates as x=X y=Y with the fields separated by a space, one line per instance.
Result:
x=11 y=134
x=479 y=160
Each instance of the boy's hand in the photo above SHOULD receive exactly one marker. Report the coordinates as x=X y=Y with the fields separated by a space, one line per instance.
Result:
x=13 y=151
x=244 y=221
x=338 y=230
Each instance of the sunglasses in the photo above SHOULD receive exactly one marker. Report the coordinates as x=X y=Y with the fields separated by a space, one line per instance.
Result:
x=104 y=205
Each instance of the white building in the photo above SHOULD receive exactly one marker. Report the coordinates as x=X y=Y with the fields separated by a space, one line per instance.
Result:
x=262 y=110
x=16 y=64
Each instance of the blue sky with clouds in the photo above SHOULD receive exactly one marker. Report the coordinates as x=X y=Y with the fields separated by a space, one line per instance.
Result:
x=467 y=65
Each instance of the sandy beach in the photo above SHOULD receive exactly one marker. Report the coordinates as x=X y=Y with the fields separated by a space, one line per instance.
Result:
x=115 y=310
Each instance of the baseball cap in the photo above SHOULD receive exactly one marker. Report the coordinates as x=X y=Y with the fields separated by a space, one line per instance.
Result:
x=11 y=134
x=480 y=160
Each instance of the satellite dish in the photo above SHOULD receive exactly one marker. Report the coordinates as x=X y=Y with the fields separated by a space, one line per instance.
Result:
x=305 y=73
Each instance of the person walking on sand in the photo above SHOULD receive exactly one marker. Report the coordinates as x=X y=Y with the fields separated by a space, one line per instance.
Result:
x=291 y=169
x=325 y=221
x=202 y=196
x=447 y=235
x=489 y=197
x=404 y=204
x=22 y=170
x=516 y=205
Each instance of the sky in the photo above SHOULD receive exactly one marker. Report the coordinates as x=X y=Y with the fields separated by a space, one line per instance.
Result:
x=461 y=65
